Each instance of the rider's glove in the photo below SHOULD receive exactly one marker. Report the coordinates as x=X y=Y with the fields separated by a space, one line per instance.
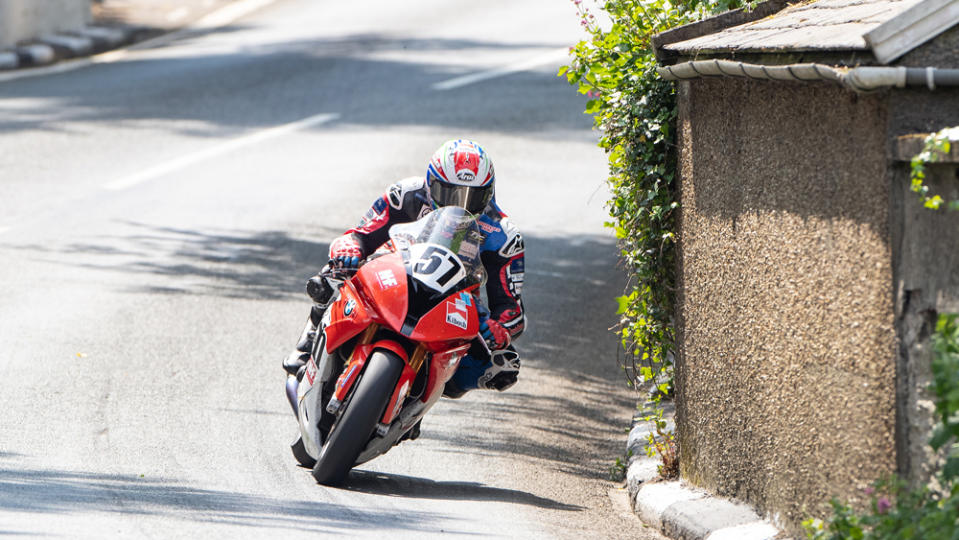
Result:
x=495 y=336
x=345 y=253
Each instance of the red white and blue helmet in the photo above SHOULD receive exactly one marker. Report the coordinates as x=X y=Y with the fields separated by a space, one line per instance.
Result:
x=460 y=173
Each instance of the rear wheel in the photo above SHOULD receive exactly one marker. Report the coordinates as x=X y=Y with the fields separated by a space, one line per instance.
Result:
x=363 y=411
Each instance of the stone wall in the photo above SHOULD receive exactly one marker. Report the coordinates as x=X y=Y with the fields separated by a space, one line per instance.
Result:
x=787 y=347
x=22 y=20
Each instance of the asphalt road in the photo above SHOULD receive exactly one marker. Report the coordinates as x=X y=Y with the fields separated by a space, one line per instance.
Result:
x=160 y=211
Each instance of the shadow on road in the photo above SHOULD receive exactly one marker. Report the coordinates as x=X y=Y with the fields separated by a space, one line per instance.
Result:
x=261 y=265
x=397 y=485
x=216 y=94
x=64 y=492
x=567 y=351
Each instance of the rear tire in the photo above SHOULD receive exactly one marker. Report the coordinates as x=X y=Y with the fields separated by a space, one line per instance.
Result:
x=353 y=429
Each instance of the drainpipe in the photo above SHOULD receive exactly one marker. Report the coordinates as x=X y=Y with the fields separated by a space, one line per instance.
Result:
x=858 y=79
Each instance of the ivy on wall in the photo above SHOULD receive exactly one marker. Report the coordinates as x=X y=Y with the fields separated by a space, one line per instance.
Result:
x=934 y=148
x=635 y=110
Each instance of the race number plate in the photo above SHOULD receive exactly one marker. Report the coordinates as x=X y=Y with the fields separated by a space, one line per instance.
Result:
x=436 y=266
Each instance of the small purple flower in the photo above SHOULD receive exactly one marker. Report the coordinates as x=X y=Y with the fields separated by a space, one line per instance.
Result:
x=883 y=505
x=869 y=491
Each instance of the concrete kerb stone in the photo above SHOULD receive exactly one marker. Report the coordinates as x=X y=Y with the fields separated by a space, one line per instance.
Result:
x=50 y=48
x=684 y=513
x=640 y=467
x=67 y=46
x=105 y=38
x=681 y=512
x=749 y=531
x=654 y=499
x=35 y=54
x=9 y=60
x=697 y=519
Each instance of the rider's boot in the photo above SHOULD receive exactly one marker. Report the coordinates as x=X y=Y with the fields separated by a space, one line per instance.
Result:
x=301 y=354
x=479 y=370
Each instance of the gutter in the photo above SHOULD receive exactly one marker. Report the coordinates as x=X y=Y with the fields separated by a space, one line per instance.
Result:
x=857 y=79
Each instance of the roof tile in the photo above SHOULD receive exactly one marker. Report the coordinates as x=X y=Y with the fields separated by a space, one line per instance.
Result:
x=822 y=25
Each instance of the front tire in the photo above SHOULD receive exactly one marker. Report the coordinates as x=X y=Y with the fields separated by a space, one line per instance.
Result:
x=353 y=429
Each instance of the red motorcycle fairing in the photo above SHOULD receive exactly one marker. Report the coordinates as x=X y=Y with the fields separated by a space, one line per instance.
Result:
x=442 y=366
x=349 y=315
x=358 y=360
x=454 y=319
x=379 y=294
x=382 y=283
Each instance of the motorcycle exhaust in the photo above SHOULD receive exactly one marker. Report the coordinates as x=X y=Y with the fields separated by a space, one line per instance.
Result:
x=291 y=387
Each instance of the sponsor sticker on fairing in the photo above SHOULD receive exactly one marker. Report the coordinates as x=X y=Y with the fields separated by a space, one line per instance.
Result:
x=310 y=371
x=456 y=314
x=387 y=278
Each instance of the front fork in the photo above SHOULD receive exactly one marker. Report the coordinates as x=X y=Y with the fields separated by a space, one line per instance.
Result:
x=361 y=354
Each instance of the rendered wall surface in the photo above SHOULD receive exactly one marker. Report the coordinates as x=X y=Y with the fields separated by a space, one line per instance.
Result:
x=26 y=19
x=787 y=347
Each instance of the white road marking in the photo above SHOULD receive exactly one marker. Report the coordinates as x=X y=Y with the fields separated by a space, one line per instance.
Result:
x=177 y=14
x=218 y=150
x=526 y=65
x=59 y=67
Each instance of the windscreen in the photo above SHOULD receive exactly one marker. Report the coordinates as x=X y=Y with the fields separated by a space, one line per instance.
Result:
x=442 y=249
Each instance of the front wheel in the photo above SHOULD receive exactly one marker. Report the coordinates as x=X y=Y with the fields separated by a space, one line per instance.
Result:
x=353 y=429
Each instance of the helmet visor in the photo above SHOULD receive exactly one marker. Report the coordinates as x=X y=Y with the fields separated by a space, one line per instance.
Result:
x=473 y=199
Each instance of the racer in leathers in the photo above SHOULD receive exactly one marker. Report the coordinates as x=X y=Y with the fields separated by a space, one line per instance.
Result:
x=460 y=173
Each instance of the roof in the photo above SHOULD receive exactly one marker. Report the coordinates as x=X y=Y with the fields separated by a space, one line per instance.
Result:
x=887 y=28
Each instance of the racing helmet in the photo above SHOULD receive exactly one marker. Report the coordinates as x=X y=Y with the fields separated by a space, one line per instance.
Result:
x=460 y=173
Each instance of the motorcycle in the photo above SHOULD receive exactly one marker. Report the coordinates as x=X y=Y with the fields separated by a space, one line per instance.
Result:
x=391 y=337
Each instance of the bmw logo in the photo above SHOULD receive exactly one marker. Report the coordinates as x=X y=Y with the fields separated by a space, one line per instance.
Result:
x=349 y=307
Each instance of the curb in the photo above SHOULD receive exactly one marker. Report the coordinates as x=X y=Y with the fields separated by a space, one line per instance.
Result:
x=679 y=511
x=52 y=48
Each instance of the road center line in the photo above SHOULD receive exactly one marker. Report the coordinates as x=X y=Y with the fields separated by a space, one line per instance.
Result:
x=217 y=150
x=526 y=65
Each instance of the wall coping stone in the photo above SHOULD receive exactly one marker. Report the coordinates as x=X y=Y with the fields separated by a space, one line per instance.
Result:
x=908 y=146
